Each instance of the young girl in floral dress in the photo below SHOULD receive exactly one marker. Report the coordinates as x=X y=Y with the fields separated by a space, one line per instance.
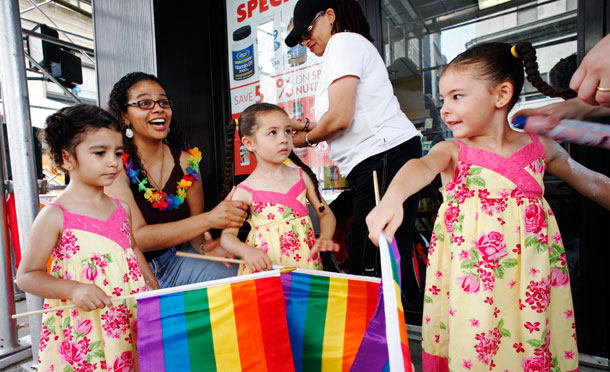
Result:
x=88 y=235
x=281 y=230
x=497 y=287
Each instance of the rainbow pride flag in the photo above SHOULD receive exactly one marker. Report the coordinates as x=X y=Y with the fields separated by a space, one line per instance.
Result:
x=385 y=346
x=233 y=324
x=327 y=316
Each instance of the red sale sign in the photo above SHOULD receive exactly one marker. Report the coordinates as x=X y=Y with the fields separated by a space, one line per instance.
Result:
x=264 y=69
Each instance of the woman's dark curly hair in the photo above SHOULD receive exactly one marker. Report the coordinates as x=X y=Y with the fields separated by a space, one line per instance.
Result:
x=495 y=62
x=66 y=128
x=117 y=105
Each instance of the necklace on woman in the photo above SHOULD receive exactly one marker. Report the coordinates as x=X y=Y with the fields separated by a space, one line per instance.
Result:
x=156 y=196
x=153 y=182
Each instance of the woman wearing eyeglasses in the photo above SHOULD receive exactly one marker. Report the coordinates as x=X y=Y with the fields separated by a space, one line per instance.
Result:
x=358 y=115
x=162 y=185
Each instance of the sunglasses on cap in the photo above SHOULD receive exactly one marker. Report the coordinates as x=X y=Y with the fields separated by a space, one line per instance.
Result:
x=307 y=33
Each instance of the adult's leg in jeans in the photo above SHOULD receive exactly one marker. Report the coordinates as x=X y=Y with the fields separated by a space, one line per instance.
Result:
x=183 y=270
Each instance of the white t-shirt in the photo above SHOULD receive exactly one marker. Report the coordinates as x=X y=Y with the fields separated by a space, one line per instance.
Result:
x=379 y=124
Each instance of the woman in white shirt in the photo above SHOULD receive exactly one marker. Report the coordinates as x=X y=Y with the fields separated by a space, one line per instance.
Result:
x=359 y=117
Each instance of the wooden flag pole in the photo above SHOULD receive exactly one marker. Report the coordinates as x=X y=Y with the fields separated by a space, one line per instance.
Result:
x=376 y=185
x=65 y=307
x=283 y=270
x=209 y=258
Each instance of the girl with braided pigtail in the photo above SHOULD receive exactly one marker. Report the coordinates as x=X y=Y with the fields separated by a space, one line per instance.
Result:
x=277 y=194
x=497 y=292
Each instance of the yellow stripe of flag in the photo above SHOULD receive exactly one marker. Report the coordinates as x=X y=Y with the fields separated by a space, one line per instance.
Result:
x=334 y=331
x=224 y=331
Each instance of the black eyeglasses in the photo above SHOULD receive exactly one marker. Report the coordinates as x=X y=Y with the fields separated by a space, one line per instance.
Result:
x=307 y=33
x=149 y=104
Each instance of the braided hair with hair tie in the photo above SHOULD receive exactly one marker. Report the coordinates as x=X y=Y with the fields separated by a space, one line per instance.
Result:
x=527 y=53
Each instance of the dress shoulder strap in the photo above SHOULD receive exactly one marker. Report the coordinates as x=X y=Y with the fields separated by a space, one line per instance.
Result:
x=242 y=186
x=58 y=206
x=534 y=137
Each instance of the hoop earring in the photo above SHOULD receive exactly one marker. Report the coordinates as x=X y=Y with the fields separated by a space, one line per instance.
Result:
x=128 y=132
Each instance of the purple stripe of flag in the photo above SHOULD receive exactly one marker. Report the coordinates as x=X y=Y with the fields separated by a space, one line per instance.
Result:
x=373 y=352
x=286 y=284
x=150 y=336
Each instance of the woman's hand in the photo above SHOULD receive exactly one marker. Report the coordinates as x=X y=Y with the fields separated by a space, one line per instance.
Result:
x=256 y=259
x=228 y=213
x=90 y=297
x=573 y=108
x=323 y=245
x=594 y=73
x=213 y=248
x=385 y=217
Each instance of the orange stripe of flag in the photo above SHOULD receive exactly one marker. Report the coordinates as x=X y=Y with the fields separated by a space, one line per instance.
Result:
x=356 y=321
x=249 y=333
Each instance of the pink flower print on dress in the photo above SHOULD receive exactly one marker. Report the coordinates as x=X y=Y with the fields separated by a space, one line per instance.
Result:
x=116 y=320
x=537 y=166
x=538 y=295
x=451 y=216
x=134 y=267
x=535 y=364
x=459 y=177
x=67 y=246
x=264 y=246
x=289 y=242
x=83 y=326
x=70 y=352
x=257 y=207
x=491 y=246
x=488 y=345
x=124 y=363
x=535 y=220
x=311 y=238
x=469 y=283
x=559 y=278
x=89 y=273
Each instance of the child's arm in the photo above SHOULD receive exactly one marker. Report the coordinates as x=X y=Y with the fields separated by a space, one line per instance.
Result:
x=412 y=177
x=32 y=276
x=255 y=258
x=591 y=184
x=149 y=277
x=327 y=219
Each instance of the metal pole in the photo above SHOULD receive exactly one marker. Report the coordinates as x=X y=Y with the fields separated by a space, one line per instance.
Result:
x=19 y=129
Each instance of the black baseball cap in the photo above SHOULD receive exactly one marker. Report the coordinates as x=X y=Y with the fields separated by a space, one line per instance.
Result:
x=304 y=12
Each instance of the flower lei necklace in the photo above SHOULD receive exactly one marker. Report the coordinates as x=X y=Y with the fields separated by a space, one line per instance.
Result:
x=158 y=198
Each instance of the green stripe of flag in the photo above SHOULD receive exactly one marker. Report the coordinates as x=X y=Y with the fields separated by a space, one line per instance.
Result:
x=199 y=330
x=315 y=323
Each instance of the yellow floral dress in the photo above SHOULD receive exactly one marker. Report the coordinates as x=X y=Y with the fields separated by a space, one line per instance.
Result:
x=497 y=287
x=97 y=252
x=280 y=226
